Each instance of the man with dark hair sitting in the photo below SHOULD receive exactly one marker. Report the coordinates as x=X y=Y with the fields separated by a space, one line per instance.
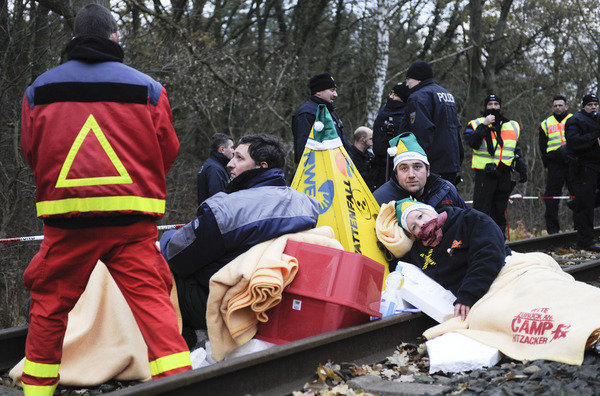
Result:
x=255 y=207
x=213 y=176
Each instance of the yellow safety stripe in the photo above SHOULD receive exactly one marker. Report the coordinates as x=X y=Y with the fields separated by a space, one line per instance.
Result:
x=100 y=204
x=123 y=178
x=482 y=157
x=556 y=137
x=170 y=362
x=38 y=390
x=42 y=370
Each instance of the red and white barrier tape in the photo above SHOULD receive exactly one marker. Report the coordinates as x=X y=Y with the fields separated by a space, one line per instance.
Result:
x=41 y=237
x=519 y=196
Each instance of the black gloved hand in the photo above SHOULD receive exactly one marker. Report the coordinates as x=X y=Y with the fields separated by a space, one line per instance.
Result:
x=521 y=168
x=522 y=177
x=490 y=170
x=545 y=160
x=458 y=179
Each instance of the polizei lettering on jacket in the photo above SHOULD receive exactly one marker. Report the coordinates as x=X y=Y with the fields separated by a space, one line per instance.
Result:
x=537 y=327
x=445 y=97
x=352 y=216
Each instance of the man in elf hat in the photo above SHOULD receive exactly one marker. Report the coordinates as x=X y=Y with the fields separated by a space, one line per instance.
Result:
x=412 y=177
x=387 y=126
x=494 y=140
x=323 y=90
x=461 y=249
x=582 y=132
x=431 y=115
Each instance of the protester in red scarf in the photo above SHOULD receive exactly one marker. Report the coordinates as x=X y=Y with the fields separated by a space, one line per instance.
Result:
x=461 y=249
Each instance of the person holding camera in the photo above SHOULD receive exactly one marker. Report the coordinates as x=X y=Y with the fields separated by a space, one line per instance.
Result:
x=387 y=126
x=494 y=140
x=582 y=132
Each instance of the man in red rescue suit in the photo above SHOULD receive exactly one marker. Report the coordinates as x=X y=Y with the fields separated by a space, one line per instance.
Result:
x=552 y=143
x=494 y=140
x=99 y=138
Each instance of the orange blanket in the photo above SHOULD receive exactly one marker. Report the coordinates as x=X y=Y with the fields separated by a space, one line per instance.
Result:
x=244 y=289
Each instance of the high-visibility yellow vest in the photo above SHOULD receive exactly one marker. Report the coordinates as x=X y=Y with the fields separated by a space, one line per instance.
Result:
x=510 y=132
x=555 y=131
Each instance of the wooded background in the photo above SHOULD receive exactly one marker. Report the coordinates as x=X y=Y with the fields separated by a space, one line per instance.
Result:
x=242 y=67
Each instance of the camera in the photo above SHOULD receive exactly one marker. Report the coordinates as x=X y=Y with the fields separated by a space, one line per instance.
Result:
x=390 y=128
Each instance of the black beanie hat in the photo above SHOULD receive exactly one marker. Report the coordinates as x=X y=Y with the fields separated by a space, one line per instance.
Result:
x=589 y=98
x=402 y=90
x=490 y=98
x=321 y=82
x=419 y=70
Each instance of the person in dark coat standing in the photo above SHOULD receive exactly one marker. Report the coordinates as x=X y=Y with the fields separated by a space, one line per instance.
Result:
x=411 y=178
x=323 y=90
x=213 y=176
x=361 y=155
x=582 y=132
x=387 y=125
x=553 y=149
x=461 y=249
x=431 y=115
x=494 y=140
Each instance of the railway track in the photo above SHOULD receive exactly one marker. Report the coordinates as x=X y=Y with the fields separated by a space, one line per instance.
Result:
x=284 y=368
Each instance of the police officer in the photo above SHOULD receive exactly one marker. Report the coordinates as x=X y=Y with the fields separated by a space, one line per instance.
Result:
x=431 y=116
x=493 y=139
x=323 y=90
x=387 y=126
x=552 y=147
x=582 y=132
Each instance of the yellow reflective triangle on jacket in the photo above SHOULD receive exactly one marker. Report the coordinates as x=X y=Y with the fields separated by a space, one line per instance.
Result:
x=92 y=125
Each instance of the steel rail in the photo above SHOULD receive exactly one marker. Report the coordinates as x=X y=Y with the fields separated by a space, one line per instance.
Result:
x=287 y=367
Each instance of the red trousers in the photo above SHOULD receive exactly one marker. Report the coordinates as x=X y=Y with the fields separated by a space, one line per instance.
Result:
x=58 y=274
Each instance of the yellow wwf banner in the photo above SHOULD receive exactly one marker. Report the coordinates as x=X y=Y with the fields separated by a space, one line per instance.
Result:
x=345 y=202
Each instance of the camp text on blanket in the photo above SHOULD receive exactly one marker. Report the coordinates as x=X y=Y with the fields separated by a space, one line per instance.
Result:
x=532 y=327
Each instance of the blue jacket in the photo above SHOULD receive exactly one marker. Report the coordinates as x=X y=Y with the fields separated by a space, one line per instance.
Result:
x=213 y=176
x=392 y=111
x=469 y=256
x=227 y=225
x=437 y=192
x=582 y=133
x=431 y=115
x=303 y=120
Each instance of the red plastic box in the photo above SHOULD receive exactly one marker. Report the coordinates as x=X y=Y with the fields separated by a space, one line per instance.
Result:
x=333 y=289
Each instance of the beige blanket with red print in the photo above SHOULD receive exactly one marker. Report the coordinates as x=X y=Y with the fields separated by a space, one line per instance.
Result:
x=533 y=310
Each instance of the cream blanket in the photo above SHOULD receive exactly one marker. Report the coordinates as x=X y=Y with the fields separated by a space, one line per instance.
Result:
x=241 y=291
x=389 y=233
x=532 y=311
x=102 y=340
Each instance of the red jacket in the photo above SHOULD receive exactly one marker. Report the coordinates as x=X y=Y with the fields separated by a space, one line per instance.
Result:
x=98 y=136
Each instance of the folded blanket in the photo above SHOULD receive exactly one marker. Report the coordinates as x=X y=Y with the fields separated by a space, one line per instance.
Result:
x=533 y=310
x=102 y=340
x=389 y=233
x=241 y=291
